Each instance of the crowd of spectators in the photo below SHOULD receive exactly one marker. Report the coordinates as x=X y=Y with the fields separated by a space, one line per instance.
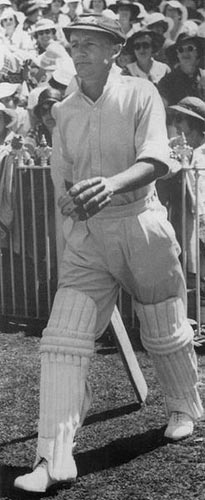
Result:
x=165 y=44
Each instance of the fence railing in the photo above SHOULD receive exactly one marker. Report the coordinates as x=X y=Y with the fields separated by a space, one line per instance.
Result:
x=29 y=251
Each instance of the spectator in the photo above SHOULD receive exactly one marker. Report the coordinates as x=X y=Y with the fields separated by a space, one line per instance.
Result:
x=129 y=12
x=10 y=97
x=33 y=10
x=55 y=13
x=143 y=43
x=187 y=117
x=187 y=79
x=17 y=40
x=100 y=7
x=44 y=31
x=177 y=12
x=72 y=9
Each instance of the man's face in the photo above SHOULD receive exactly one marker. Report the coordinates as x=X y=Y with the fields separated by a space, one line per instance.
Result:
x=91 y=52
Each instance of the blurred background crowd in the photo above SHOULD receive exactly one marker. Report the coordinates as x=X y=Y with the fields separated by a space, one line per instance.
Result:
x=165 y=44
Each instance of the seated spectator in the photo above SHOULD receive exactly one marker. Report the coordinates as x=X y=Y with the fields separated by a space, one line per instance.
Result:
x=158 y=23
x=73 y=9
x=100 y=7
x=43 y=32
x=187 y=78
x=178 y=13
x=129 y=12
x=33 y=11
x=17 y=40
x=187 y=117
x=44 y=121
x=10 y=96
x=55 y=13
x=143 y=44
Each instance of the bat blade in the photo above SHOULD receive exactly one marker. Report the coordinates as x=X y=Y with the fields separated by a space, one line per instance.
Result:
x=129 y=357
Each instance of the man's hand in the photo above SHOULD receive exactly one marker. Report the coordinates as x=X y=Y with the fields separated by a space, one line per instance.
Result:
x=86 y=198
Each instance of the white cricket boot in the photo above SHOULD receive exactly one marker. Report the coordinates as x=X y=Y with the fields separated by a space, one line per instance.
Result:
x=179 y=427
x=39 y=480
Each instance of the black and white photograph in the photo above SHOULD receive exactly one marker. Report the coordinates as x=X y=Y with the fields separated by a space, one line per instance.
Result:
x=102 y=249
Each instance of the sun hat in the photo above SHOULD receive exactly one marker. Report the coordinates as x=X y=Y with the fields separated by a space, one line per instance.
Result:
x=96 y=22
x=43 y=24
x=8 y=89
x=137 y=7
x=6 y=3
x=47 y=95
x=138 y=31
x=158 y=17
x=175 y=4
x=30 y=6
x=9 y=12
x=191 y=34
x=192 y=106
x=11 y=113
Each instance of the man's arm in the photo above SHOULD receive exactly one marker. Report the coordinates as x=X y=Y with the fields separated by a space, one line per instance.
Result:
x=88 y=197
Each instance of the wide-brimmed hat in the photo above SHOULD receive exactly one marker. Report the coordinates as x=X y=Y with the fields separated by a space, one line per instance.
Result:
x=8 y=89
x=10 y=113
x=47 y=95
x=192 y=106
x=159 y=18
x=6 y=3
x=191 y=34
x=136 y=7
x=43 y=24
x=30 y=6
x=175 y=4
x=9 y=12
x=96 y=22
x=139 y=31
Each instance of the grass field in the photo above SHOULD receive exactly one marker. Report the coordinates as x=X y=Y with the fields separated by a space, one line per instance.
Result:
x=120 y=453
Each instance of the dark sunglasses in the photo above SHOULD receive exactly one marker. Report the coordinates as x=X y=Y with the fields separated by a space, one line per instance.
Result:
x=189 y=48
x=143 y=45
x=8 y=19
x=44 y=32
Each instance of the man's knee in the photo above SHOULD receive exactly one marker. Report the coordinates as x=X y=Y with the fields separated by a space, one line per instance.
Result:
x=164 y=326
x=72 y=323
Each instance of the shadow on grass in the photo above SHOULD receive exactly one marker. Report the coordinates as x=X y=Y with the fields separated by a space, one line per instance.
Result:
x=112 y=455
x=90 y=420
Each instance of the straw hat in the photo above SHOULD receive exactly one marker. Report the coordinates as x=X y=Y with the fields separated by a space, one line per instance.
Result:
x=47 y=95
x=136 y=7
x=8 y=89
x=138 y=31
x=192 y=106
x=43 y=24
x=159 y=18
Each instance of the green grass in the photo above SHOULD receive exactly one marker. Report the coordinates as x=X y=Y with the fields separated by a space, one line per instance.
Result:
x=120 y=453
